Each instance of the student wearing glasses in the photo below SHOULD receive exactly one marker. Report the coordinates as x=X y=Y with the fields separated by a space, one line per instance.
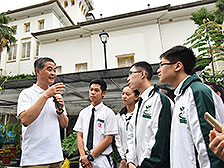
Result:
x=149 y=128
x=189 y=130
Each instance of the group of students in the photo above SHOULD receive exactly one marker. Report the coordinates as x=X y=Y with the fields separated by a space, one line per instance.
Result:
x=151 y=131
x=155 y=132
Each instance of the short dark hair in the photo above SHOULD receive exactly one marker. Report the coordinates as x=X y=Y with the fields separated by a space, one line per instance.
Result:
x=144 y=66
x=100 y=82
x=184 y=55
x=217 y=88
x=169 y=92
x=40 y=62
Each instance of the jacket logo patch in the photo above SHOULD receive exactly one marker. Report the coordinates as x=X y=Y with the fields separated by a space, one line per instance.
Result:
x=147 y=113
x=182 y=116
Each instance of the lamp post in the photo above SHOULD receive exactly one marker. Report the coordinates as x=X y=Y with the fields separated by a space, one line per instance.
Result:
x=104 y=37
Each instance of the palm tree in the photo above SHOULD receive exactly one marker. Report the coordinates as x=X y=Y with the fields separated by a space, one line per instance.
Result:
x=6 y=33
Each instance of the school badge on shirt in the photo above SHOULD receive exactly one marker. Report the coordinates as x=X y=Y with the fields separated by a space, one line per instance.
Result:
x=182 y=115
x=100 y=122
x=147 y=113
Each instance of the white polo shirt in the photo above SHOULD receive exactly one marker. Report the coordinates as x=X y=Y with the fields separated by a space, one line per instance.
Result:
x=104 y=124
x=41 y=143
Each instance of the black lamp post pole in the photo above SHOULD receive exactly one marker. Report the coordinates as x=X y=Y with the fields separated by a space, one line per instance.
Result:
x=105 y=55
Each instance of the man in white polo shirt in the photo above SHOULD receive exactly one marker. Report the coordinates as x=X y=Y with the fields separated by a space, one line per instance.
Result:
x=96 y=126
x=41 y=118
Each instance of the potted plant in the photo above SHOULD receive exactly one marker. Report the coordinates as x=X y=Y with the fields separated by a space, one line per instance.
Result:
x=69 y=145
x=6 y=156
x=5 y=138
x=10 y=138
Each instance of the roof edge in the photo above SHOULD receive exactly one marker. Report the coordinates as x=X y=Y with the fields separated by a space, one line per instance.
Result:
x=40 y=5
x=126 y=15
x=192 y=4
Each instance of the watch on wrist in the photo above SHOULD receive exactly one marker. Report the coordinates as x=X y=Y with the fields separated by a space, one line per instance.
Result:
x=90 y=157
x=59 y=113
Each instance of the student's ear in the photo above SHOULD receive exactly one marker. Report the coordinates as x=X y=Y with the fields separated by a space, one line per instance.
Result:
x=219 y=93
x=142 y=74
x=136 y=97
x=179 y=66
x=103 y=94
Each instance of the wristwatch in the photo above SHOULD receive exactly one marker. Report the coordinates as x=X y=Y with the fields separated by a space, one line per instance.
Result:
x=59 y=113
x=90 y=157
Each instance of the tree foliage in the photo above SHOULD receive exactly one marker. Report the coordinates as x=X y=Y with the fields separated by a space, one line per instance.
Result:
x=208 y=40
x=70 y=143
x=203 y=13
x=6 y=32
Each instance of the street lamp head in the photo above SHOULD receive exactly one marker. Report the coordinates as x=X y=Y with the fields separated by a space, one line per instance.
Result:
x=104 y=37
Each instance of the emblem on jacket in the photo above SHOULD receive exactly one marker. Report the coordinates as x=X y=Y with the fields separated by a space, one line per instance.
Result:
x=182 y=116
x=147 y=113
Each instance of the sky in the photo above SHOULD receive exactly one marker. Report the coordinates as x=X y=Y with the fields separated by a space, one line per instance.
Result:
x=104 y=7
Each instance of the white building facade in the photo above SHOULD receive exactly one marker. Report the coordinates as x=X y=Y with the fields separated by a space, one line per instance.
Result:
x=51 y=14
x=74 y=44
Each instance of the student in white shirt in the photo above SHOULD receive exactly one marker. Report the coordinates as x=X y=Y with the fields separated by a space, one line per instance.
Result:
x=129 y=98
x=104 y=129
x=149 y=128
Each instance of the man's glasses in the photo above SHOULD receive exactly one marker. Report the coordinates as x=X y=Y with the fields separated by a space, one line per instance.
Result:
x=166 y=63
x=131 y=72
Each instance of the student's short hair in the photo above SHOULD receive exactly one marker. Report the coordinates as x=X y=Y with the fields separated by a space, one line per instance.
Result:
x=40 y=62
x=169 y=92
x=144 y=66
x=100 y=82
x=217 y=88
x=184 y=55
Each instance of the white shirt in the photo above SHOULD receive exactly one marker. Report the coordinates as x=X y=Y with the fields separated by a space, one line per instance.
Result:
x=41 y=143
x=104 y=124
x=121 y=139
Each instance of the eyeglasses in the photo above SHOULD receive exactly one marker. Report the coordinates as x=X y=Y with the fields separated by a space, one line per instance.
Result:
x=166 y=63
x=131 y=72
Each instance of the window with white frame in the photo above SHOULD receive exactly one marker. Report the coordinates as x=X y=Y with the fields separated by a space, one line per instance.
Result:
x=12 y=52
x=72 y=2
x=41 y=24
x=37 y=49
x=80 y=3
x=27 y=27
x=219 y=65
x=65 y=4
x=15 y=28
x=80 y=67
x=26 y=50
x=125 y=60
x=58 y=69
